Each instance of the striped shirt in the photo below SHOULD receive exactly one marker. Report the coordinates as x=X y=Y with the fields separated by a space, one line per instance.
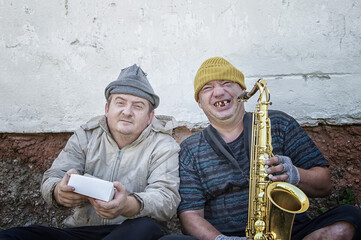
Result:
x=211 y=182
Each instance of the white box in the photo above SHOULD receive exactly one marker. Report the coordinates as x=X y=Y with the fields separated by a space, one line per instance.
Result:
x=92 y=187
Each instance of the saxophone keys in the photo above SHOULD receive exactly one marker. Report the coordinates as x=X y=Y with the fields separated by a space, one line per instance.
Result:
x=263 y=172
x=260 y=225
x=258 y=236
x=262 y=185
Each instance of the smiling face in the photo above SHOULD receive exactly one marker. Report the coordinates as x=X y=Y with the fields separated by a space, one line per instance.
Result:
x=218 y=100
x=127 y=116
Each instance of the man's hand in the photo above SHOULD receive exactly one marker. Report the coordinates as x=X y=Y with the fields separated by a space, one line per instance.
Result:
x=284 y=170
x=121 y=205
x=64 y=194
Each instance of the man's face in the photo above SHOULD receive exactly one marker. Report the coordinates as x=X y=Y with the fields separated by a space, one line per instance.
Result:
x=218 y=100
x=128 y=115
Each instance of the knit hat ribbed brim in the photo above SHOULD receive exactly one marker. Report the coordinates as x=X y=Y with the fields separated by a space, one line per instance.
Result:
x=216 y=68
x=132 y=80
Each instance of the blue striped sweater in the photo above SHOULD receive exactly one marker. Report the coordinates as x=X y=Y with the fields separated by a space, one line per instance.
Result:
x=211 y=182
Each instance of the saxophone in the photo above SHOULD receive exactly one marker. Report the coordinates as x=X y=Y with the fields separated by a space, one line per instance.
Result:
x=272 y=205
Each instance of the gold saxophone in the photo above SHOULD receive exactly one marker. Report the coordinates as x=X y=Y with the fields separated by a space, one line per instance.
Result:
x=272 y=205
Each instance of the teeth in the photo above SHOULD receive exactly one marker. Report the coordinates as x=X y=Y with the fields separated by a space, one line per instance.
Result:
x=222 y=103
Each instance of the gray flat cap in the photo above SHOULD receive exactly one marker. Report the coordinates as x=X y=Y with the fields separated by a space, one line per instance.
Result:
x=132 y=80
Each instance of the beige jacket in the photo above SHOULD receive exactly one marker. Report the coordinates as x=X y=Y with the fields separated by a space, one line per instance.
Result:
x=148 y=168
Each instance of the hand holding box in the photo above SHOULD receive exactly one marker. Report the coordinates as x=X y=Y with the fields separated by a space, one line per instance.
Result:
x=92 y=187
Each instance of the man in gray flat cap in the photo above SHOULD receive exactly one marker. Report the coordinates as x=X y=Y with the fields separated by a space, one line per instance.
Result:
x=128 y=146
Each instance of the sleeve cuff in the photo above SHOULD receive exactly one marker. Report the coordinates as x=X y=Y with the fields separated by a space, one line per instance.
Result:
x=140 y=200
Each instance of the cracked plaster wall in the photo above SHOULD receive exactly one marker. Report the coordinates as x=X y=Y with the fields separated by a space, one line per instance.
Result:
x=56 y=57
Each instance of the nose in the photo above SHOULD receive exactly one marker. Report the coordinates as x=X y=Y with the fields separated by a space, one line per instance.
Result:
x=218 y=90
x=127 y=110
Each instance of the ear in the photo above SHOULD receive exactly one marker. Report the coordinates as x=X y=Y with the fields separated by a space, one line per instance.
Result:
x=106 y=109
x=200 y=104
x=151 y=115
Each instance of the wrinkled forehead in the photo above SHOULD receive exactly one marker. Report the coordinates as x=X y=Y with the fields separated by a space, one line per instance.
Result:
x=128 y=98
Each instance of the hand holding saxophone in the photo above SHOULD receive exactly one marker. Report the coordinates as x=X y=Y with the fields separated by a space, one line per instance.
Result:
x=284 y=170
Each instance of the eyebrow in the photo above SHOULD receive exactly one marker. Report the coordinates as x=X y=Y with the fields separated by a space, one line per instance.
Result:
x=118 y=97
x=207 y=84
x=137 y=102
x=133 y=102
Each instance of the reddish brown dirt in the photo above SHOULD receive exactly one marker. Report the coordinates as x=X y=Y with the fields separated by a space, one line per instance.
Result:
x=24 y=157
x=34 y=150
x=341 y=145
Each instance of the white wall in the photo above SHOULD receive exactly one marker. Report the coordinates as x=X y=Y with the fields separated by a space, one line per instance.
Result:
x=56 y=57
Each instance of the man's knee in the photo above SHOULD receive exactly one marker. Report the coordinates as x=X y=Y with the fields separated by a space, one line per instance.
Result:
x=343 y=230
x=138 y=228
x=338 y=230
x=143 y=224
x=352 y=218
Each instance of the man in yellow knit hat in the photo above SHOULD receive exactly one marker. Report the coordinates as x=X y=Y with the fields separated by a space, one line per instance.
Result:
x=214 y=165
x=216 y=68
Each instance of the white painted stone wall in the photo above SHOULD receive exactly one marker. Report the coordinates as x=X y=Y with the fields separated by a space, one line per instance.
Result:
x=56 y=57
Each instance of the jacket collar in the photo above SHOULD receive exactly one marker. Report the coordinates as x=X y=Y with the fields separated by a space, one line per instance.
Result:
x=160 y=123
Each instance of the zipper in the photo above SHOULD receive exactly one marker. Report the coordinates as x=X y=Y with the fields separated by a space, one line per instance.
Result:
x=117 y=160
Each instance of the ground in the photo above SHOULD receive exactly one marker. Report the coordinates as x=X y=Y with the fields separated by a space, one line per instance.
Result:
x=24 y=157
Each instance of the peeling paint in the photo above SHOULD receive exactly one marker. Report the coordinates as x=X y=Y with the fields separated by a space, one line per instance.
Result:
x=66 y=8
x=316 y=74
x=28 y=10
x=13 y=46
x=75 y=42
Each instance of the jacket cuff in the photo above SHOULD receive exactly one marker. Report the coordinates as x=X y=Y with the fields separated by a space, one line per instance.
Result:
x=140 y=200
x=50 y=199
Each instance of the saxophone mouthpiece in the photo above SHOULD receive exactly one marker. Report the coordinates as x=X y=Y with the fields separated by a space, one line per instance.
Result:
x=243 y=97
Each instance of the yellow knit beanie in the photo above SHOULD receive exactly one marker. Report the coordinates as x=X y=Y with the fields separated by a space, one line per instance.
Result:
x=216 y=68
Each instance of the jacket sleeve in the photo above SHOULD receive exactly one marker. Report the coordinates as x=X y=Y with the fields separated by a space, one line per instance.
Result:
x=72 y=156
x=161 y=198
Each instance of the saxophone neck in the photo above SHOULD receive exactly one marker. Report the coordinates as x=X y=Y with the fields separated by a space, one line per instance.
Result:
x=260 y=85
